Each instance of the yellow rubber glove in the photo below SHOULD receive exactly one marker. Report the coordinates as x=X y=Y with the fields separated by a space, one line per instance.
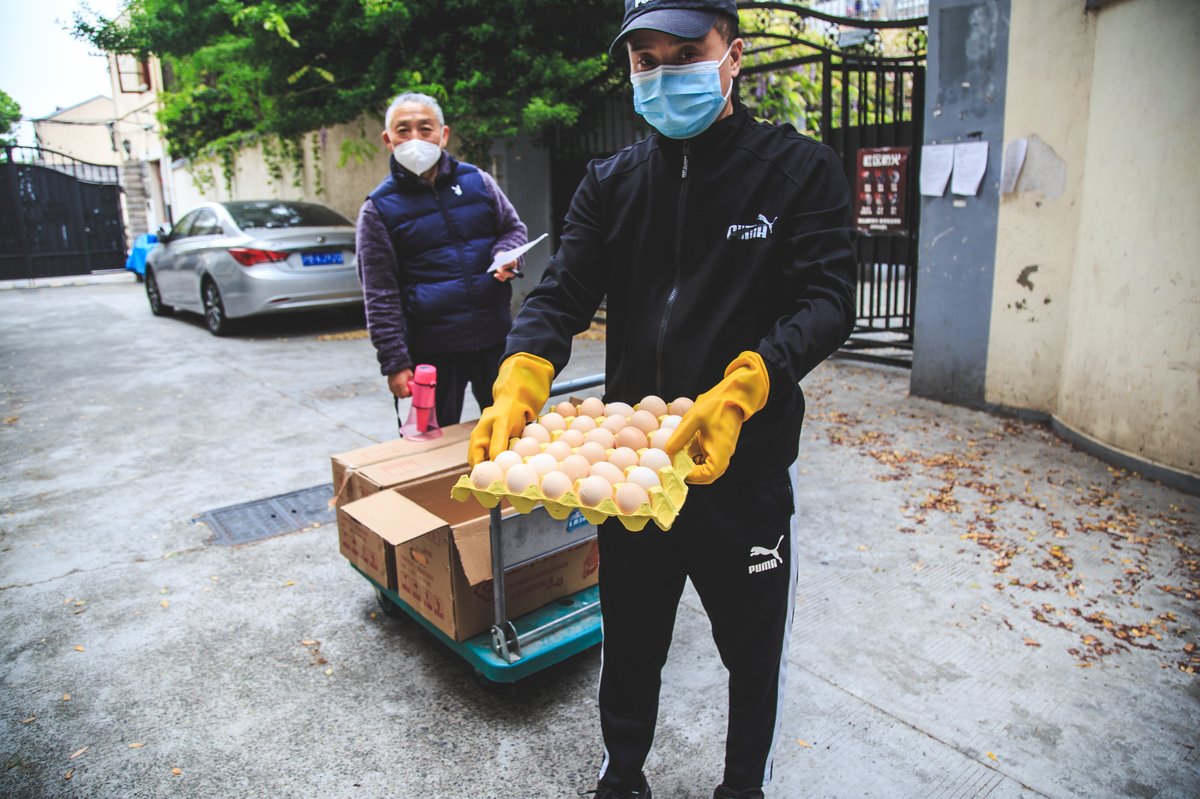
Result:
x=716 y=418
x=521 y=389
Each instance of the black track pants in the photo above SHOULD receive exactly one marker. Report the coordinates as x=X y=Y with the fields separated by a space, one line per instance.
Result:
x=734 y=540
x=454 y=371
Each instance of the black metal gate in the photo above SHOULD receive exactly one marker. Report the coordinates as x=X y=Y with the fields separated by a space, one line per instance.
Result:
x=58 y=215
x=832 y=78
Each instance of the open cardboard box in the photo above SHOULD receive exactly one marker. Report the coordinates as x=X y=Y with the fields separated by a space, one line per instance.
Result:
x=436 y=554
x=347 y=486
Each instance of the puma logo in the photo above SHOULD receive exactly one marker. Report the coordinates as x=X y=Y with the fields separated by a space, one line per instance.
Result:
x=766 y=565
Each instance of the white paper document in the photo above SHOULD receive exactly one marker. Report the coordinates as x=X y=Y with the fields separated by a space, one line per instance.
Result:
x=970 y=162
x=508 y=256
x=1014 y=159
x=937 y=160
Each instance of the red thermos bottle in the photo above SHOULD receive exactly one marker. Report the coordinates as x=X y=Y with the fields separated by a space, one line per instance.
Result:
x=422 y=420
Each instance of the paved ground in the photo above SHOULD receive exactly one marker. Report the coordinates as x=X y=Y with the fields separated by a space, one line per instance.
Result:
x=983 y=610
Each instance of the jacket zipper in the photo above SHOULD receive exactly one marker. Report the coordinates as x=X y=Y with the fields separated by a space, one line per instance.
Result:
x=461 y=257
x=662 y=329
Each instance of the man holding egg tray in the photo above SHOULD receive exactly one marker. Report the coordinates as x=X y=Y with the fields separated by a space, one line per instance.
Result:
x=725 y=248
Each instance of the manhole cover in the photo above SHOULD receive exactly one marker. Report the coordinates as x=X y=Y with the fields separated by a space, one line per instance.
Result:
x=264 y=518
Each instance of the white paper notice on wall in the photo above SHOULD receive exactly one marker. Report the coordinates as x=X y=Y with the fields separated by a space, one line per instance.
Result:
x=937 y=161
x=970 y=162
x=1014 y=159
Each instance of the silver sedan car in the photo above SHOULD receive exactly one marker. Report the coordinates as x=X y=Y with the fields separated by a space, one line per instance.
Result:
x=234 y=259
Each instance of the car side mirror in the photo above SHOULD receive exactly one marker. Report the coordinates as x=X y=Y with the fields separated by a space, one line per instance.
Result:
x=163 y=232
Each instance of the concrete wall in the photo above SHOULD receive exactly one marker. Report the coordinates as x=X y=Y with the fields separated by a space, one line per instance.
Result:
x=1049 y=82
x=521 y=169
x=965 y=91
x=80 y=131
x=1104 y=334
x=319 y=178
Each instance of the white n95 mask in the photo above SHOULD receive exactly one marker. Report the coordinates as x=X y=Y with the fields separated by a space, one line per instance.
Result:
x=417 y=156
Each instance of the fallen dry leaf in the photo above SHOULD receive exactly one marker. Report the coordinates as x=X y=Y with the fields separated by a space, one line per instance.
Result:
x=328 y=672
x=309 y=642
x=165 y=604
x=289 y=583
x=993 y=757
x=70 y=773
x=77 y=648
x=29 y=720
x=66 y=697
x=176 y=771
x=136 y=745
x=804 y=743
x=78 y=752
x=1030 y=642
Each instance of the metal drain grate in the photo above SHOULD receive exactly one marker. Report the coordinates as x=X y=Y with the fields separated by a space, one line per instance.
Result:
x=264 y=518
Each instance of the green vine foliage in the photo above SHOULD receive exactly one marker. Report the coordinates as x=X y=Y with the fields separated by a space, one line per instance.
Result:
x=244 y=71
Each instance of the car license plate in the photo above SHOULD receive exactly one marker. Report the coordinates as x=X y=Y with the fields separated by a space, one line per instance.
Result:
x=321 y=258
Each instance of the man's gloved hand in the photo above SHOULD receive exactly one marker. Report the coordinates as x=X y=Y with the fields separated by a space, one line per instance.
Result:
x=716 y=418
x=521 y=389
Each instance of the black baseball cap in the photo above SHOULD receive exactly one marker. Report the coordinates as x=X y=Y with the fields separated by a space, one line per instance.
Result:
x=687 y=19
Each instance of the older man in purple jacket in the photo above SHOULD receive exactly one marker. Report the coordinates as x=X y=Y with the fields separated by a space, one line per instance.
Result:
x=426 y=237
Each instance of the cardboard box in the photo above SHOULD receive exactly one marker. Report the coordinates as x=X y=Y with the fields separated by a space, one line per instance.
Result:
x=435 y=553
x=346 y=464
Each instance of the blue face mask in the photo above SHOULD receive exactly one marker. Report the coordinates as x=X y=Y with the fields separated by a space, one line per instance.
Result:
x=681 y=101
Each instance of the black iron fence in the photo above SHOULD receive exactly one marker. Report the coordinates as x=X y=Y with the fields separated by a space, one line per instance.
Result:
x=58 y=215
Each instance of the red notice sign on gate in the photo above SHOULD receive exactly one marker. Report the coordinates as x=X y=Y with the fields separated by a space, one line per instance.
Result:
x=880 y=186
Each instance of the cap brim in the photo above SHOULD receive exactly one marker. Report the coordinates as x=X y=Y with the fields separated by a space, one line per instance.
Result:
x=684 y=23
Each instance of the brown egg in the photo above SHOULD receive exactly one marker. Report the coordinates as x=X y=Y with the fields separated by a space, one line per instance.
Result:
x=575 y=466
x=618 y=409
x=583 y=424
x=644 y=421
x=538 y=431
x=566 y=410
x=653 y=404
x=592 y=451
x=623 y=458
x=601 y=436
x=552 y=421
x=614 y=423
x=527 y=446
x=593 y=490
x=572 y=437
x=555 y=484
x=608 y=471
x=592 y=406
x=558 y=449
x=680 y=406
x=507 y=459
x=629 y=497
x=485 y=473
x=631 y=437
x=520 y=477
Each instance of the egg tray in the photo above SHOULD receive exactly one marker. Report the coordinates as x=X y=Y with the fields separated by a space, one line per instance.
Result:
x=665 y=500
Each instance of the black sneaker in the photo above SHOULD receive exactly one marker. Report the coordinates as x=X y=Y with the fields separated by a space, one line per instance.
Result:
x=607 y=792
x=728 y=793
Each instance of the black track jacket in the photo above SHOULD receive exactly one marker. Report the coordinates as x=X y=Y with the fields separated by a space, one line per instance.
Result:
x=737 y=239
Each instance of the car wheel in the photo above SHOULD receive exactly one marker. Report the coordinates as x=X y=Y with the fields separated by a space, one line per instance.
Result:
x=214 y=310
x=154 y=296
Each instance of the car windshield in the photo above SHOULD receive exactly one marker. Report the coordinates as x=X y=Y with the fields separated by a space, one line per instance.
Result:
x=277 y=214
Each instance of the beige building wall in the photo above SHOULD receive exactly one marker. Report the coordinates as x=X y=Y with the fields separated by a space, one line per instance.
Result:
x=321 y=179
x=1104 y=334
x=80 y=131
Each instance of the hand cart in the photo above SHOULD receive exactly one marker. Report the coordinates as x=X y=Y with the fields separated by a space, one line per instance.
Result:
x=516 y=648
